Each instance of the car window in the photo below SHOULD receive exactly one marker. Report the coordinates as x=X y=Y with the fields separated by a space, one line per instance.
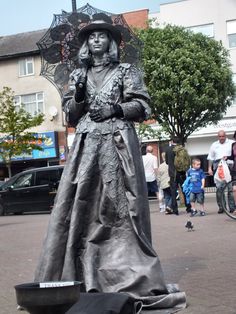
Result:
x=47 y=177
x=60 y=172
x=23 y=181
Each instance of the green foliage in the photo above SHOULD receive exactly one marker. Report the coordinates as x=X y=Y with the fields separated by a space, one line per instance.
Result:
x=15 y=138
x=188 y=77
x=145 y=131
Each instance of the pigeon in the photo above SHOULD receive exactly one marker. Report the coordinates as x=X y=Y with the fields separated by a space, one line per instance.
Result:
x=189 y=225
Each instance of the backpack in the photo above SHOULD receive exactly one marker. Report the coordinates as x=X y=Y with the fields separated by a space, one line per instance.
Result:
x=182 y=158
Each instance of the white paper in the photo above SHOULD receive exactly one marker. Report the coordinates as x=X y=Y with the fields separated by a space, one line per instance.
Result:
x=52 y=284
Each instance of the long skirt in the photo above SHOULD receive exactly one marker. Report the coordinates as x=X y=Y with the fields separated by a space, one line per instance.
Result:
x=99 y=231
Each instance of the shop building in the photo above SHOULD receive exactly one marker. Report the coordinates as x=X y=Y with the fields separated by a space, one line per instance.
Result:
x=20 y=67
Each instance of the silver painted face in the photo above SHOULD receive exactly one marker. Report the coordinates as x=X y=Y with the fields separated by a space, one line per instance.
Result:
x=98 y=42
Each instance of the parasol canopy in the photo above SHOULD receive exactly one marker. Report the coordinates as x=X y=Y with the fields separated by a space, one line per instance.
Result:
x=59 y=45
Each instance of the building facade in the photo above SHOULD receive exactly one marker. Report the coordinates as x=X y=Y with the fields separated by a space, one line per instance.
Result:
x=20 y=67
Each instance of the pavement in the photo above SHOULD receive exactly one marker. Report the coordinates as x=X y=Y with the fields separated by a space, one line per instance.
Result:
x=202 y=262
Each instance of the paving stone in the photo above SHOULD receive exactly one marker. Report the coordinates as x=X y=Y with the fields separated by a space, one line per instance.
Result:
x=202 y=262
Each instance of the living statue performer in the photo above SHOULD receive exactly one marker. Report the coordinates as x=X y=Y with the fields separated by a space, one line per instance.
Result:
x=99 y=230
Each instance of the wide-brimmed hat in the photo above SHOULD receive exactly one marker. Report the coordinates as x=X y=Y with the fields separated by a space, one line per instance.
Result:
x=60 y=44
x=100 y=21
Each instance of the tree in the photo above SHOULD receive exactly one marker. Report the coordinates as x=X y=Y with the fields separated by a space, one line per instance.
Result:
x=145 y=131
x=14 y=137
x=188 y=77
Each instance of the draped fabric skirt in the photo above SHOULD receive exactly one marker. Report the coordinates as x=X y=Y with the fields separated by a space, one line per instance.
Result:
x=99 y=230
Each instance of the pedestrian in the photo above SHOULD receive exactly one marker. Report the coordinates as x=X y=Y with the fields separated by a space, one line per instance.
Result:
x=220 y=149
x=197 y=183
x=232 y=167
x=150 y=170
x=232 y=158
x=99 y=230
x=164 y=181
x=177 y=178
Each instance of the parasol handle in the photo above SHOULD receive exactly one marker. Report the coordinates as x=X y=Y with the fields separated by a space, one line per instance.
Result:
x=80 y=85
x=74 y=9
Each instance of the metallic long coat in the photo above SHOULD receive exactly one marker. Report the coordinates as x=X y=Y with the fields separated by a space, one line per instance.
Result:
x=99 y=231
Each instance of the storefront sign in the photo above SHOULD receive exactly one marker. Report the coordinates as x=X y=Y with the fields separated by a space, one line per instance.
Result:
x=49 y=146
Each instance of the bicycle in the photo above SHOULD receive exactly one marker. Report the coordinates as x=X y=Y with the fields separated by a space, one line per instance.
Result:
x=228 y=199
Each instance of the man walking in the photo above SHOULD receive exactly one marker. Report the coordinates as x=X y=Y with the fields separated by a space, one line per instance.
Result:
x=220 y=149
x=150 y=169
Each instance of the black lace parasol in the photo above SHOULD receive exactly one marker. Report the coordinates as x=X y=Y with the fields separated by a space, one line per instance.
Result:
x=59 y=46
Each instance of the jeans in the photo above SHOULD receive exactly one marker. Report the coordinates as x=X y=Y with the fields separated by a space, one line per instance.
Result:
x=167 y=197
x=199 y=197
x=230 y=196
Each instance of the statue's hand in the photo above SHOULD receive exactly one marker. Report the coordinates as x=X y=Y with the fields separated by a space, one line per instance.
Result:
x=80 y=89
x=102 y=114
x=78 y=83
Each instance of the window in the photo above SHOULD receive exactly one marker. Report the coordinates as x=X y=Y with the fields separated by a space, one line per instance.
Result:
x=207 y=29
x=32 y=103
x=23 y=181
x=47 y=177
x=231 y=32
x=26 y=67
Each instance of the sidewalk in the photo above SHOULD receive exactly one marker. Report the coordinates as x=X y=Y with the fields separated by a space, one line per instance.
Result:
x=202 y=262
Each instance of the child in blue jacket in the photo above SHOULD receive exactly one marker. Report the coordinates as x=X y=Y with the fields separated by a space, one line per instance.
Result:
x=197 y=180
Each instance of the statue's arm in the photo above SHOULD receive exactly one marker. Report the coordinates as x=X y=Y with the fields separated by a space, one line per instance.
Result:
x=73 y=100
x=73 y=110
x=135 y=104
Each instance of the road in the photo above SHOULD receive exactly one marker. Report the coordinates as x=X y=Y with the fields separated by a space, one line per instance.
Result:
x=202 y=262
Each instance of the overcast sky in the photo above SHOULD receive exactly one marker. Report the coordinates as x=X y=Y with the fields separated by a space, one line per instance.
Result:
x=28 y=15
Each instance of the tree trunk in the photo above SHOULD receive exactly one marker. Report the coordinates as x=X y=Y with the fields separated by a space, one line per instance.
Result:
x=9 y=169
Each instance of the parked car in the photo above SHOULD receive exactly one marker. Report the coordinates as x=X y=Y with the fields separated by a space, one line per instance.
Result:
x=30 y=191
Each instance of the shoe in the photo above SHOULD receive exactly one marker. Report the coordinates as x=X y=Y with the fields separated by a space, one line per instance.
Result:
x=220 y=211
x=162 y=210
x=202 y=213
x=176 y=212
x=169 y=211
x=188 y=208
x=193 y=212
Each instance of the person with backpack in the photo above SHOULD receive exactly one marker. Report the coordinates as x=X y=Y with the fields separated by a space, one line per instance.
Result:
x=178 y=161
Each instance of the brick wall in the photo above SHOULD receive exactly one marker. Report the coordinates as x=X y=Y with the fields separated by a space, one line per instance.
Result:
x=137 y=19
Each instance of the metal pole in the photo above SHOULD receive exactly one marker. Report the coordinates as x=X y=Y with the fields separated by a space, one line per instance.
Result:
x=74 y=5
